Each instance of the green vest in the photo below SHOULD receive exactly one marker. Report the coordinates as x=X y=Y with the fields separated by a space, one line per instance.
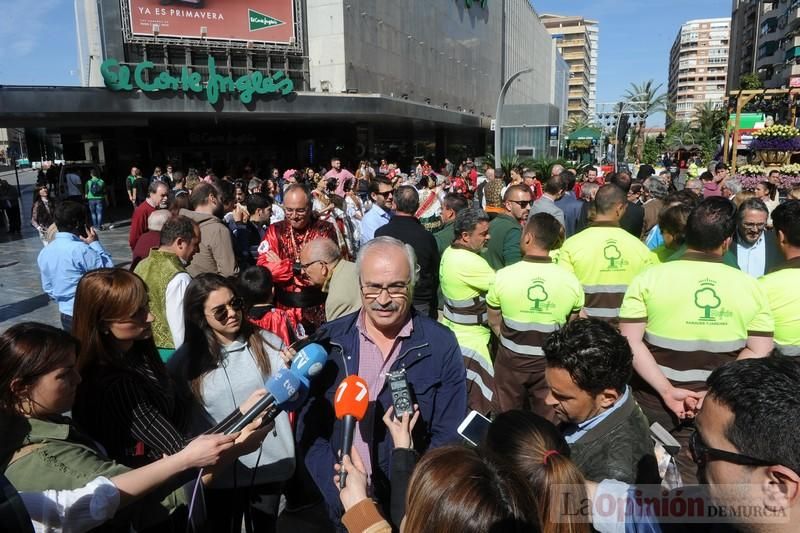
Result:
x=157 y=270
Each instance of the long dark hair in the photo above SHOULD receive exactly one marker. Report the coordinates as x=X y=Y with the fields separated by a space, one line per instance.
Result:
x=27 y=352
x=203 y=345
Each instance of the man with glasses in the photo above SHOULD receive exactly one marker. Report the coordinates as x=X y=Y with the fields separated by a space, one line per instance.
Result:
x=747 y=441
x=280 y=253
x=322 y=263
x=386 y=335
x=505 y=228
x=687 y=317
x=381 y=193
x=754 y=248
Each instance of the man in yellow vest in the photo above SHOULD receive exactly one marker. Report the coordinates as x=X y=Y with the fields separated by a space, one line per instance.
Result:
x=465 y=278
x=605 y=257
x=528 y=301
x=685 y=318
x=781 y=285
x=164 y=273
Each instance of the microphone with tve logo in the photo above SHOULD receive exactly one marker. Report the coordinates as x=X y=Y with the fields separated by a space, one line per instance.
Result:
x=308 y=362
x=283 y=393
x=350 y=403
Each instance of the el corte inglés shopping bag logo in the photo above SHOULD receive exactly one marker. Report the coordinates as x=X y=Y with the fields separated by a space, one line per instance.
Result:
x=259 y=21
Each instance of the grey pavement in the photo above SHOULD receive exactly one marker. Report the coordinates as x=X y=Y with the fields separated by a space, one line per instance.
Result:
x=21 y=295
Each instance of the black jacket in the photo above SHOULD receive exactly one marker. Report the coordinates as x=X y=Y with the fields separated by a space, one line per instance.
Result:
x=773 y=258
x=410 y=231
x=618 y=448
x=632 y=220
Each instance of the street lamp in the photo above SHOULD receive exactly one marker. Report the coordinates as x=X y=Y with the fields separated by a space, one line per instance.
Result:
x=500 y=101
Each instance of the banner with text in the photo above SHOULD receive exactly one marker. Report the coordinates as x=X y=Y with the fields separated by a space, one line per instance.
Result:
x=258 y=21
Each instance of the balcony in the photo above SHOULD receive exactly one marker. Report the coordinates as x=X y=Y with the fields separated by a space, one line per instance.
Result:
x=793 y=17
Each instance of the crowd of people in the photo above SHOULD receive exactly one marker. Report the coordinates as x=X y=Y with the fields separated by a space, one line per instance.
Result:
x=619 y=334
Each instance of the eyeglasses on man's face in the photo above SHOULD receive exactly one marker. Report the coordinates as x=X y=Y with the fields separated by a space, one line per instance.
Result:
x=372 y=291
x=702 y=454
x=220 y=312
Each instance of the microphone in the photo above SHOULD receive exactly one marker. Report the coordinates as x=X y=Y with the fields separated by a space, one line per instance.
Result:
x=350 y=403
x=283 y=392
x=308 y=362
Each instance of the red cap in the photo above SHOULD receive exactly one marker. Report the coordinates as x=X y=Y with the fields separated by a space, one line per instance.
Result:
x=352 y=398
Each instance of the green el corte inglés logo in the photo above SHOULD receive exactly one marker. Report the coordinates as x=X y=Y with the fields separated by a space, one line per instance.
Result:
x=118 y=78
x=259 y=21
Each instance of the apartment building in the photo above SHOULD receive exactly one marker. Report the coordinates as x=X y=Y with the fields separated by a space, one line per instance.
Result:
x=765 y=40
x=577 y=39
x=698 y=67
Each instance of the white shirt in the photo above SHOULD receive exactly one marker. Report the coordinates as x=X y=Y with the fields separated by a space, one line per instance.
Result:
x=176 y=288
x=72 y=511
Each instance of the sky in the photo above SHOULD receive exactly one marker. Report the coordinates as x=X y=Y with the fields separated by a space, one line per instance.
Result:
x=40 y=48
x=635 y=37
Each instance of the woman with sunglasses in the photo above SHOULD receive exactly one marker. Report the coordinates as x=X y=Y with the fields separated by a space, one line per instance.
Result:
x=223 y=360
x=42 y=450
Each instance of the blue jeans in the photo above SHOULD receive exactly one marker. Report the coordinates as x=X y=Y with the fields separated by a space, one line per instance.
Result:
x=96 y=209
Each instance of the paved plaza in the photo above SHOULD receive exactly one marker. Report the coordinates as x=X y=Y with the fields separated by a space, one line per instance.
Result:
x=22 y=297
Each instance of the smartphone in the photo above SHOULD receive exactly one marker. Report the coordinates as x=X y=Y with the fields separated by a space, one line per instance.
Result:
x=474 y=428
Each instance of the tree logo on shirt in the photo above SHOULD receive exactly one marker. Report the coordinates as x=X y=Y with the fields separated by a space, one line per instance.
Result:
x=706 y=298
x=613 y=255
x=538 y=295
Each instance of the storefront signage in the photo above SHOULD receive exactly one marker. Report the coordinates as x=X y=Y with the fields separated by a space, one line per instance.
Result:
x=118 y=78
x=256 y=21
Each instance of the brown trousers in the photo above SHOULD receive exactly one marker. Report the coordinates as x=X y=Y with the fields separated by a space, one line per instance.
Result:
x=520 y=384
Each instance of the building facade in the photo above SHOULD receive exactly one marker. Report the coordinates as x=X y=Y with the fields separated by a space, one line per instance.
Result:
x=363 y=79
x=698 y=67
x=765 y=41
x=574 y=38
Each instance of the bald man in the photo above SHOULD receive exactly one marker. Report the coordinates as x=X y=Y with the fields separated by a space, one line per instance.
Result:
x=322 y=263
x=280 y=253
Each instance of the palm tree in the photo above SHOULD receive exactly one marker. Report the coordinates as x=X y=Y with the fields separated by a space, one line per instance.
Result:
x=679 y=134
x=577 y=122
x=648 y=101
x=710 y=121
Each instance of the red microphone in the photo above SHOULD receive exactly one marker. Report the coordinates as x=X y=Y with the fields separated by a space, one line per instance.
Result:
x=350 y=403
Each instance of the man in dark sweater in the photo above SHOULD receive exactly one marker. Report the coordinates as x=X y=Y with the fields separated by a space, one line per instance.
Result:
x=405 y=227
x=588 y=366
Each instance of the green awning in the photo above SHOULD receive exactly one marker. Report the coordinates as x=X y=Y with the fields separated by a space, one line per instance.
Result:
x=585 y=134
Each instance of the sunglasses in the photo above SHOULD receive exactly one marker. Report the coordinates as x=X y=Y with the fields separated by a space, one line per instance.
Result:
x=523 y=204
x=220 y=312
x=702 y=454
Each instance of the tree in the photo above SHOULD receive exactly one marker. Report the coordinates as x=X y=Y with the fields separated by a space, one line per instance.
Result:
x=750 y=82
x=706 y=299
x=576 y=123
x=679 y=134
x=612 y=253
x=537 y=294
x=648 y=101
x=652 y=152
x=709 y=122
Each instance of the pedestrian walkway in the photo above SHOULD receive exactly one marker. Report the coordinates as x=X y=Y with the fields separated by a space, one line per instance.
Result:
x=20 y=284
